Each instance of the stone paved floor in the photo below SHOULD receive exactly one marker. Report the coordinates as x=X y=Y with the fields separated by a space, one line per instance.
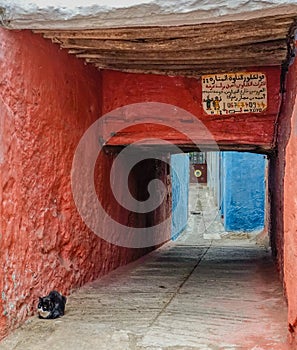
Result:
x=202 y=291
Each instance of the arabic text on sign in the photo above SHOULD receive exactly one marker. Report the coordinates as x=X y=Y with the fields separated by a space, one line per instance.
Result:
x=234 y=93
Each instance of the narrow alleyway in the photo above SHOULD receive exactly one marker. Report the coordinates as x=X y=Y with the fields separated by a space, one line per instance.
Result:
x=203 y=291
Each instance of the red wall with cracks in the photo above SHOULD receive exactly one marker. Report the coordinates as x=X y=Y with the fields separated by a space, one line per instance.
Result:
x=47 y=101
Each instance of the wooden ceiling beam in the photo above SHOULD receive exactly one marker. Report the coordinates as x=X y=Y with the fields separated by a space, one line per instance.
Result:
x=183 y=50
x=166 y=32
x=187 y=58
x=172 y=44
x=176 y=67
x=191 y=73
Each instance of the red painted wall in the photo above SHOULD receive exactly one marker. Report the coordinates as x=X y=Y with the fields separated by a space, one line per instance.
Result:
x=290 y=202
x=278 y=169
x=47 y=101
x=121 y=89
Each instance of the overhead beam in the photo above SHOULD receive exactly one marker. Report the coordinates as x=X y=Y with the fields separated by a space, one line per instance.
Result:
x=186 y=49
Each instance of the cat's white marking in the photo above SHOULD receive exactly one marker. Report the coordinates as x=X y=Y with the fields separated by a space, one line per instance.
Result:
x=42 y=313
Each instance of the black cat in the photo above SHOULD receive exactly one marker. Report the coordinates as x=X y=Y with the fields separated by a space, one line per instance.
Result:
x=51 y=306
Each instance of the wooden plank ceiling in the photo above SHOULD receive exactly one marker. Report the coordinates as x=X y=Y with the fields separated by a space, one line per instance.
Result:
x=188 y=50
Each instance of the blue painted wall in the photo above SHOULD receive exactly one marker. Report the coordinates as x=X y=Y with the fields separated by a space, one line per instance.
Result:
x=243 y=191
x=180 y=192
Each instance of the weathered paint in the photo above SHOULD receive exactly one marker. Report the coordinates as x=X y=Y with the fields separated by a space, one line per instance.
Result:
x=47 y=101
x=180 y=192
x=277 y=165
x=289 y=201
x=45 y=109
x=213 y=176
x=120 y=89
x=107 y=13
x=243 y=184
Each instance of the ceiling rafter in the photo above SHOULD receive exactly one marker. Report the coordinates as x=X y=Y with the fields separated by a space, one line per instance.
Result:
x=183 y=50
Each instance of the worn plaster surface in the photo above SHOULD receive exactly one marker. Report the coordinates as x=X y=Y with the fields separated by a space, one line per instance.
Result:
x=48 y=99
x=114 y=13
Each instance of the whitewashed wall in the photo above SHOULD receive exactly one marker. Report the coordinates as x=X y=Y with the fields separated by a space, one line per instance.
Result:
x=69 y=14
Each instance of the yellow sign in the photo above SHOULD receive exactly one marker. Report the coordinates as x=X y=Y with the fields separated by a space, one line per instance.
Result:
x=234 y=93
